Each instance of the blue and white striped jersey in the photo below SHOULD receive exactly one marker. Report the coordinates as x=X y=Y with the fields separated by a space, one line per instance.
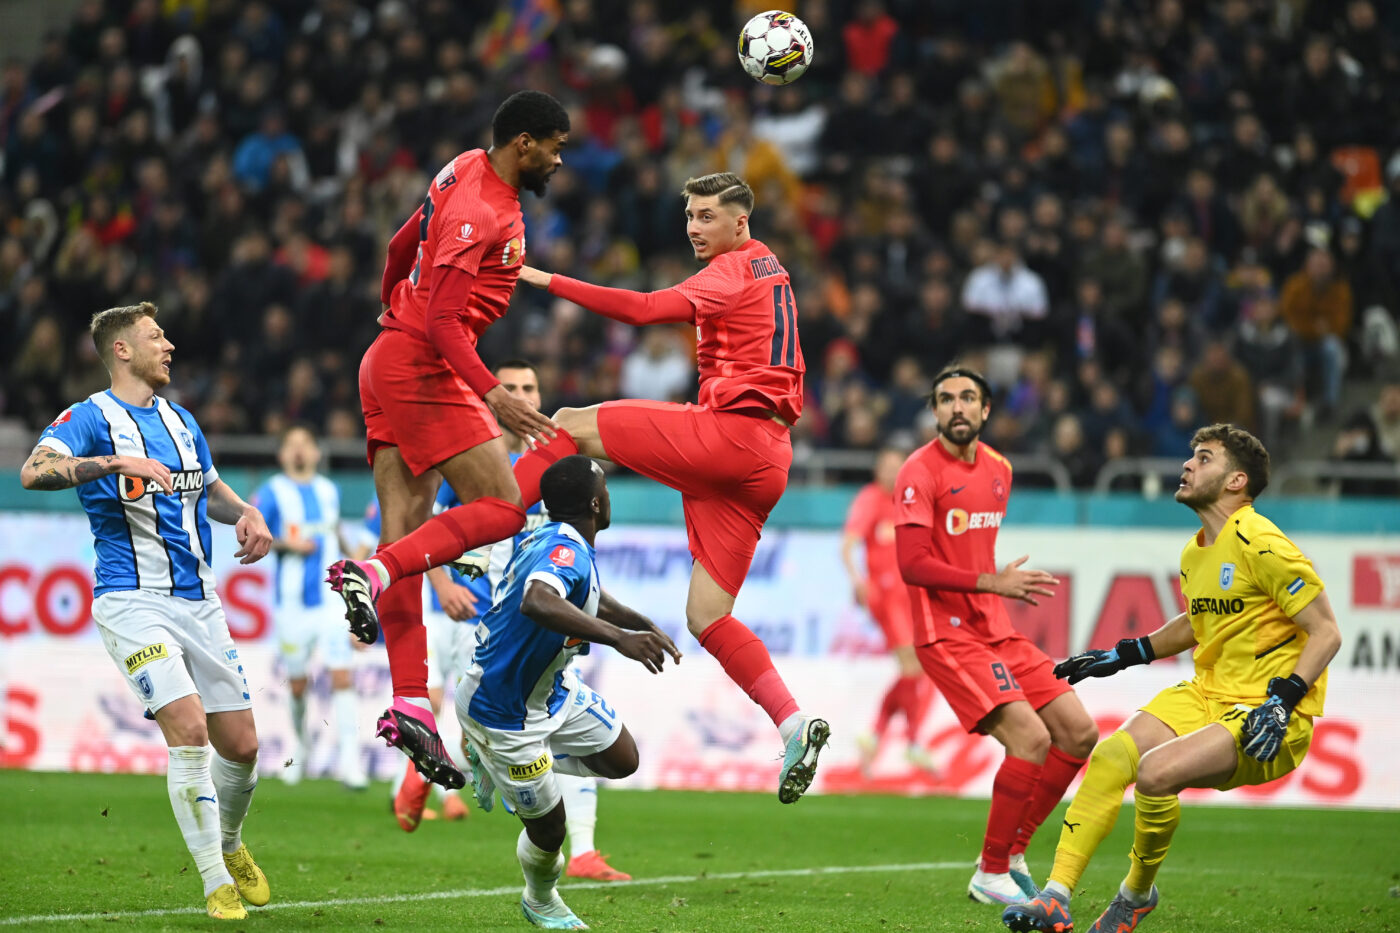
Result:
x=301 y=511
x=145 y=539
x=521 y=671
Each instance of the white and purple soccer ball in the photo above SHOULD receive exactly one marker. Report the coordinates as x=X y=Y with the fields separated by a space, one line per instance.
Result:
x=775 y=47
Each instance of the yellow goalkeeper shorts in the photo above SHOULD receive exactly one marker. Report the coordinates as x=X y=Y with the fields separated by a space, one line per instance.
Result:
x=1186 y=708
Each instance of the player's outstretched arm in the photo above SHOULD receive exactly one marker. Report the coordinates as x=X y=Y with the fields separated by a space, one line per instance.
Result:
x=547 y=609
x=48 y=469
x=625 y=617
x=227 y=508
x=667 y=306
x=1173 y=638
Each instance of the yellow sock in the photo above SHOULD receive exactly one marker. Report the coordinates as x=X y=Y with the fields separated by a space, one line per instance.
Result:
x=1112 y=768
x=1154 y=822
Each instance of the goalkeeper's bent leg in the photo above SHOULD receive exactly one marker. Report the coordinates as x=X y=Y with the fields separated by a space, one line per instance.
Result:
x=1154 y=822
x=1113 y=766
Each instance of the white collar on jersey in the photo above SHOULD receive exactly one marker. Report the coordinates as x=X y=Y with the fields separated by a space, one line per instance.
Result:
x=566 y=529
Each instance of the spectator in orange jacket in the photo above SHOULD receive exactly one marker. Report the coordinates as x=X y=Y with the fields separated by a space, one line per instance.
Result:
x=1317 y=304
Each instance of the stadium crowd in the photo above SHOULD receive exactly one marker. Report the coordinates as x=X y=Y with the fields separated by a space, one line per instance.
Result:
x=1146 y=214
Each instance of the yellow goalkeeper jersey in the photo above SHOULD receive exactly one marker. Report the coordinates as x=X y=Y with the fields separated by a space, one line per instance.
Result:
x=1241 y=593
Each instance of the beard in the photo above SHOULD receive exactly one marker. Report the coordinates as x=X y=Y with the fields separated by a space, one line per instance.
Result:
x=962 y=433
x=152 y=373
x=1201 y=496
x=535 y=180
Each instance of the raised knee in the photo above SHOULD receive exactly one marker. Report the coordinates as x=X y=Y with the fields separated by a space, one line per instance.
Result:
x=1153 y=779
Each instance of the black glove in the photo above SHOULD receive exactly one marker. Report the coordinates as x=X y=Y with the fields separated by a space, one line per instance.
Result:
x=1267 y=724
x=1100 y=663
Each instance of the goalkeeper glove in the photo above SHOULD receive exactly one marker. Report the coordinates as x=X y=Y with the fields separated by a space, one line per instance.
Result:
x=1267 y=724
x=1100 y=663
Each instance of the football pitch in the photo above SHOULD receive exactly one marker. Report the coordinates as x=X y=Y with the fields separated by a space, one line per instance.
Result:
x=103 y=851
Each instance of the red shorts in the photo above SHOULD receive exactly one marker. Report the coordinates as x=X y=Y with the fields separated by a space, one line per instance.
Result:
x=976 y=677
x=889 y=607
x=414 y=401
x=729 y=468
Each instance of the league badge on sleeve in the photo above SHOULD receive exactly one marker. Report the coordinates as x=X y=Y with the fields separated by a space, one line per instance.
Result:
x=1227 y=575
x=562 y=556
x=63 y=418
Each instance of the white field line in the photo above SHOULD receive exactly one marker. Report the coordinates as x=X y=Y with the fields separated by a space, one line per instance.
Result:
x=502 y=891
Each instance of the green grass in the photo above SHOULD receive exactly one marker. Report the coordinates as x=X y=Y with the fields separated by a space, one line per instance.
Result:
x=78 y=844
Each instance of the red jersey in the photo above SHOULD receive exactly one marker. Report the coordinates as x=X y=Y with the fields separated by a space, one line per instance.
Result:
x=871 y=518
x=748 y=352
x=962 y=505
x=470 y=220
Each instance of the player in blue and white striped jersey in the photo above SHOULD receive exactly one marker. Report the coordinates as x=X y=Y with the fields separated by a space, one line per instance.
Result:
x=302 y=509
x=524 y=711
x=147 y=481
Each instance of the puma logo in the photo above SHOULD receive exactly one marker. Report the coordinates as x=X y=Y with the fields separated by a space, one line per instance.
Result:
x=1070 y=826
x=1267 y=550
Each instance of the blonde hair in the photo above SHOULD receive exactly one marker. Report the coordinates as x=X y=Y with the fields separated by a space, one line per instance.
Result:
x=108 y=325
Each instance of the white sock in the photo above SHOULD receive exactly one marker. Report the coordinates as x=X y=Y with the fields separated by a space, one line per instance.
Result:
x=788 y=727
x=541 y=869
x=1137 y=899
x=196 y=806
x=573 y=766
x=346 y=705
x=1057 y=889
x=298 y=704
x=234 y=780
x=422 y=703
x=580 y=810
x=381 y=570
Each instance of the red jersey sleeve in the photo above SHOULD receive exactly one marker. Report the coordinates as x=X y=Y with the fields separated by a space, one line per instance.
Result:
x=914 y=496
x=715 y=288
x=864 y=512
x=464 y=236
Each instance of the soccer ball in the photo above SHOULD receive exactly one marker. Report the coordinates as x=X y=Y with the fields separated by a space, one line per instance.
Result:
x=775 y=47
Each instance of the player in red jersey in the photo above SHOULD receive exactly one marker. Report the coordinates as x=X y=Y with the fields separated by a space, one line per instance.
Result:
x=950 y=498
x=878 y=588
x=729 y=455
x=429 y=401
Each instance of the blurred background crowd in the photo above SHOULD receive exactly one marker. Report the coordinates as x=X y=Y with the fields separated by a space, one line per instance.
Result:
x=1136 y=215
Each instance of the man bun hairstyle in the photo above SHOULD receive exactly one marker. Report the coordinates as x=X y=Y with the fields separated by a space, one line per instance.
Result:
x=1245 y=452
x=569 y=485
x=730 y=188
x=533 y=112
x=107 y=325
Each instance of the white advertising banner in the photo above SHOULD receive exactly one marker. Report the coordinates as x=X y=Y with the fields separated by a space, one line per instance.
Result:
x=69 y=709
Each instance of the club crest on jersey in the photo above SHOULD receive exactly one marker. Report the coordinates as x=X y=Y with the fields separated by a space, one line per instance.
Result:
x=1227 y=575
x=187 y=439
x=998 y=489
x=562 y=556
x=64 y=417
x=143 y=683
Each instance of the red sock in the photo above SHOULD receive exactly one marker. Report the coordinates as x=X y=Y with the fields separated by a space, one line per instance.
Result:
x=748 y=664
x=448 y=535
x=1011 y=795
x=529 y=468
x=892 y=702
x=400 y=609
x=914 y=702
x=1055 y=775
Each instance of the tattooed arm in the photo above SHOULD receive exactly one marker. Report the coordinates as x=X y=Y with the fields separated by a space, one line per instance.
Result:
x=49 y=469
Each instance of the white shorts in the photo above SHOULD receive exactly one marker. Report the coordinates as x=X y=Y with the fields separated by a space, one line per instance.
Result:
x=522 y=763
x=450 y=648
x=321 y=629
x=170 y=647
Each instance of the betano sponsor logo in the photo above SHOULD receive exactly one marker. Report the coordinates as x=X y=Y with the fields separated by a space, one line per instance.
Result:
x=1202 y=605
x=959 y=521
x=181 y=481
